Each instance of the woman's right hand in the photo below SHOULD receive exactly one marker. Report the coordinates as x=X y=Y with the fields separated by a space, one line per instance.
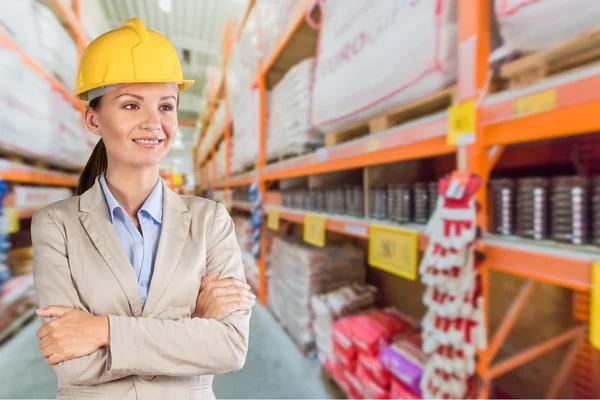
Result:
x=218 y=298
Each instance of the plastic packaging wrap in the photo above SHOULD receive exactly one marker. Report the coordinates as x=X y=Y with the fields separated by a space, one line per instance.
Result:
x=18 y=20
x=246 y=130
x=521 y=29
x=275 y=15
x=242 y=67
x=405 y=359
x=333 y=305
x=36 y=121
x=299 y=271
x=58 y=51
x=364 y=67
x=288 y=129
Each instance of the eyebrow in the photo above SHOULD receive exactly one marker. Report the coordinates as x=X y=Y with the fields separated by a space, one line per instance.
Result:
x=141 y=98
x=130 y=94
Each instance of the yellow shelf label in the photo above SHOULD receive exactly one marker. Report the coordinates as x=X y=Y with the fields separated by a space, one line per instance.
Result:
x=595 y=306
x=314 y=230
x=462 y=120
x=273 y=219
x=13 y=221
x=394 y=250
x=177 y=179
x=535 y=103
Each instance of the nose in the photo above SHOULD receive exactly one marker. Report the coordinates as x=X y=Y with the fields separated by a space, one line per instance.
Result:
x=152 y=121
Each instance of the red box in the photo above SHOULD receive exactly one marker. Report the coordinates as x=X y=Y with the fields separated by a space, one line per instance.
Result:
x=375 y=368
x=401 y=392
x=373 y=330
x=356 y=386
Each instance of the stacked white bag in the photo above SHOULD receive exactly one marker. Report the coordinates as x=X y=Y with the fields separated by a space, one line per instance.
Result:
x=58 y=50
x=18 y=21
x=275 y=15
x=245 y=112
x=334 y=305
x=26 y=109
x=242 y=67
x=33 y=197
x=299 y=271
x=289 y=130
x=379 y=54
x=530 y=25
x=36 y=121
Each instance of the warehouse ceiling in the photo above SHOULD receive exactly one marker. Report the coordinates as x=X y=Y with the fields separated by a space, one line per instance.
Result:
x=195 y=27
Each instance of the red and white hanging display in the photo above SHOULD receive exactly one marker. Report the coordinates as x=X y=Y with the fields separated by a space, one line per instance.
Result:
x=454 y=326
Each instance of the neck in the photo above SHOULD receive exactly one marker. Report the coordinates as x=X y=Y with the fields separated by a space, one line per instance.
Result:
x=131 y=186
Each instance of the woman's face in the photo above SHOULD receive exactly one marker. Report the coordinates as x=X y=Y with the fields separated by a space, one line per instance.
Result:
x=137 y=123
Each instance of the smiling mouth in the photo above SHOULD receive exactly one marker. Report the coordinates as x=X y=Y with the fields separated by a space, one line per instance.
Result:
x=148 y=142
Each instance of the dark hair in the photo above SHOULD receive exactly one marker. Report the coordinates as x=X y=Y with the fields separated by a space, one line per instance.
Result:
x=97 y=162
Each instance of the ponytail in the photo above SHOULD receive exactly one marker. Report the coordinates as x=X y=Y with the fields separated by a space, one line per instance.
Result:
x=95 y=166
x=97 y=162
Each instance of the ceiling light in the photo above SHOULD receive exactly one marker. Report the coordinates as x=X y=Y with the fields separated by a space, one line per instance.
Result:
x=165 y=5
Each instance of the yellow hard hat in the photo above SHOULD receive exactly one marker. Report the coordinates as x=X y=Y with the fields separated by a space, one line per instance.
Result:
x=130 y=54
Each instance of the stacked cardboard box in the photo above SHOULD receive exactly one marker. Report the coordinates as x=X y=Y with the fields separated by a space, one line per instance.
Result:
x=299 y=271
x=358 y=342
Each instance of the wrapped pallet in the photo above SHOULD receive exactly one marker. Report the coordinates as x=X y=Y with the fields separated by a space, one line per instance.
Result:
x=245 y=111
x=275 y=15
x=288 y=129
x=365 y=67
x=58 y=51
x=299 y=271
x=521 y=30
x=330 y=306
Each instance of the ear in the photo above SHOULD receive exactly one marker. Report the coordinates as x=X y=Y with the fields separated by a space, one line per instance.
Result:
x=91 y=120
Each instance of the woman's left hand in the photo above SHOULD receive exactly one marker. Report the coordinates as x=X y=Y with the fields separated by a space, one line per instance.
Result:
x=71 y=334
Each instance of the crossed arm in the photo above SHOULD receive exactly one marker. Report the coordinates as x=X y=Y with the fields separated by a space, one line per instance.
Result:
x=119 y=346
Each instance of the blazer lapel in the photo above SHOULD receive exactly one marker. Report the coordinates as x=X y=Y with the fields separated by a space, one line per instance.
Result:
x=174 y=234
x=96 y=221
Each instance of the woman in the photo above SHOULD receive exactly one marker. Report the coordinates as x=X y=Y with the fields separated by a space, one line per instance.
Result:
x=143 y=291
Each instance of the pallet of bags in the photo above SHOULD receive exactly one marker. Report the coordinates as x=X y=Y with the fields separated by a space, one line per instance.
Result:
x=245 y=112
x=18 y=21
x=26 y=127
x=275 y=15
x=331 y=306
x=289 y=131
x=58 y=52
x=377 y=55
x=521 y=30
x=298 y=272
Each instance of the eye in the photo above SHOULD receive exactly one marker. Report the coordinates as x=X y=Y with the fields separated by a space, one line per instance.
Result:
x=166 y=107
x=131 y=106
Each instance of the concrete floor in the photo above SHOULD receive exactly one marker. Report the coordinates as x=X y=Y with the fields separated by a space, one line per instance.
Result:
x=274 y=368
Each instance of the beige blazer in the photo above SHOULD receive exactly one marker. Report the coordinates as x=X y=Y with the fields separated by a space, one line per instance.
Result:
x=159 y=352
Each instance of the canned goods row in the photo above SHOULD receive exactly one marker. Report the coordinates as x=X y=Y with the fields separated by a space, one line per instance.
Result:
x=401 y=203
x=559 y=208
x=346 y=201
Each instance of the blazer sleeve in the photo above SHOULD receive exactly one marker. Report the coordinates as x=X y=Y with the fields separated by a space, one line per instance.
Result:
x=54 y=286
x=198 y=346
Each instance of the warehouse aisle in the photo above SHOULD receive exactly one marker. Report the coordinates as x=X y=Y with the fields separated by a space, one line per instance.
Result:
x=274 y=367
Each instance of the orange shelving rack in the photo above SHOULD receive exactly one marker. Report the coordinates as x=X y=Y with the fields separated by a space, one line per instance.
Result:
x=499 y=123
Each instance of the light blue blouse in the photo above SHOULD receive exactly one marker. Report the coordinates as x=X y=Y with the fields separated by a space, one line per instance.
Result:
x=140 y=248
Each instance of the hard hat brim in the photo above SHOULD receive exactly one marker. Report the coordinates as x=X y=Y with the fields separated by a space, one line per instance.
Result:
x=82 y=92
